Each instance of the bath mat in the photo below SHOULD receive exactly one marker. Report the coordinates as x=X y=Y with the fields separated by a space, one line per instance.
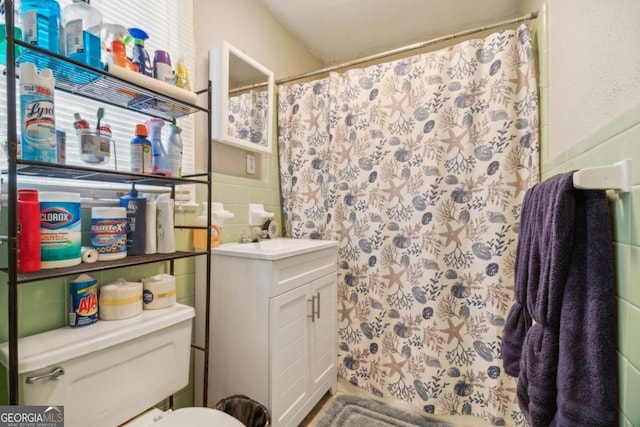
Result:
x=348 y=410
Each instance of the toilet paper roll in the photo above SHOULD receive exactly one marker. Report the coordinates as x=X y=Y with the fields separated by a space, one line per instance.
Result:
x=89 y=255
x=159 y=291
x=120 y=300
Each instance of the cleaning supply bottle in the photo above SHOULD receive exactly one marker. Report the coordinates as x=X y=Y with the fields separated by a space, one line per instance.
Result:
x=175 y=150
x=136 y=221
x=162 y=66
x=82 y=24
x=114 y=40
x=17 y=34
x=200 y=235
x=140 y=57
x=37 y=117
x=150 y=246
x=164 y=230
x=159 y=160
x=181 y=78
x=141 y=151
x=28 y=239
x=41 y=23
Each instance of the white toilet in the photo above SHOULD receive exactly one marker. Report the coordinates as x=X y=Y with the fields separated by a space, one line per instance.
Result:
x=111 y=372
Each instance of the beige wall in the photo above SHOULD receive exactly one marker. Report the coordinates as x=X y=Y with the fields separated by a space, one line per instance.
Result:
x=593 y=66
x=250 y=27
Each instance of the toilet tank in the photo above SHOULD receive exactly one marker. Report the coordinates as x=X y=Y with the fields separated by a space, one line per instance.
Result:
x=113 y=370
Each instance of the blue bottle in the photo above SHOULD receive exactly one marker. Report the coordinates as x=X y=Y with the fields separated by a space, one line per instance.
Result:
x=41 y=23
x=140 y=56
x=136 y=221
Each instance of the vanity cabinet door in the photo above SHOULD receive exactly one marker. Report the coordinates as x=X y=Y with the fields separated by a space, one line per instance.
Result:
x=289 y=353
x=323 y=337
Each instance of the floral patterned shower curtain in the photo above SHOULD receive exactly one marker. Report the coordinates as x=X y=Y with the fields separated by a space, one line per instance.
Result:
x=418 y=167
x=248 y=116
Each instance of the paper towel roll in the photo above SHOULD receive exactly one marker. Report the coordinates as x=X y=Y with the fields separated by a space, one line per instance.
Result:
x=120 y=300
x=89 y=255
x=159 y=291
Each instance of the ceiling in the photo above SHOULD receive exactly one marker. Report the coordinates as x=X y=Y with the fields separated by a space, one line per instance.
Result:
x=340 y=30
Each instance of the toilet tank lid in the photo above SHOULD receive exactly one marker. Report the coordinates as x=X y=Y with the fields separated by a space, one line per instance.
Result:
x=59 y=345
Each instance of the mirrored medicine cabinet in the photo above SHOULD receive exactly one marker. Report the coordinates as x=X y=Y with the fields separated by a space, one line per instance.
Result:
x=243 y=99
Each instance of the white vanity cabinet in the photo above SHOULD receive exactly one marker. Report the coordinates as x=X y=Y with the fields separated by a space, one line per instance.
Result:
x=273 y=334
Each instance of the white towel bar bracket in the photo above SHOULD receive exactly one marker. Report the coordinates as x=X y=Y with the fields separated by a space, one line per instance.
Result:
x=613 y=177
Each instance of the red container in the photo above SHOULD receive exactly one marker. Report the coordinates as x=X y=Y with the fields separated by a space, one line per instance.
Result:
x=28 y=231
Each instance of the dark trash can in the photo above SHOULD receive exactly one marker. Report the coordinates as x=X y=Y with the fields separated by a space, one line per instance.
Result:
x=245 y=409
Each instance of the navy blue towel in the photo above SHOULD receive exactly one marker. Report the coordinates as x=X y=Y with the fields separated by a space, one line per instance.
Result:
x=560 y=336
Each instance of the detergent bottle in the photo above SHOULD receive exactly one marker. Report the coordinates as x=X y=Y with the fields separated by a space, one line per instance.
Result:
x=140 y=57
x=141 y=151
x=41 y=23
x=82 y=24
x=159 y=158
x=114 y=39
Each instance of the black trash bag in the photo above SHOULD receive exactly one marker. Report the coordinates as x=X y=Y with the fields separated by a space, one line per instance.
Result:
x=245 y=409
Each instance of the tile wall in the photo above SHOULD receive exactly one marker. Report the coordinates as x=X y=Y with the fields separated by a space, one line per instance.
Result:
x=44 y=304
x=618 y=140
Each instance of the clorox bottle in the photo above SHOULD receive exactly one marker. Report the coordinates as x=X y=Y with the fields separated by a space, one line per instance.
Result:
x=37 y=116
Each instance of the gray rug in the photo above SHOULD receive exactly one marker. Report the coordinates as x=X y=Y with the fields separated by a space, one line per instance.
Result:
x=348 y=410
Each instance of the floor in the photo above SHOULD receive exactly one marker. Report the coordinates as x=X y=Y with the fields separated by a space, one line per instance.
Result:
x=345 y=387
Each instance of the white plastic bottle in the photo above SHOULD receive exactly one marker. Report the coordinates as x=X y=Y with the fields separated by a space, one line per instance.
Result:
x=151 y=246
x=175 y=150
x=82 y=24
x=37 y=115
x=164 y=226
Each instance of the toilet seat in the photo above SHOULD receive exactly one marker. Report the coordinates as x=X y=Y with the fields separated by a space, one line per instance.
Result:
x=192 y=417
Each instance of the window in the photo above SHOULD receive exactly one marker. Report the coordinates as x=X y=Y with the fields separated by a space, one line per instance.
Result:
x=169 y=24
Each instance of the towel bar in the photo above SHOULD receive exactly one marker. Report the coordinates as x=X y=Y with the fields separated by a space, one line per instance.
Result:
x=614 y=177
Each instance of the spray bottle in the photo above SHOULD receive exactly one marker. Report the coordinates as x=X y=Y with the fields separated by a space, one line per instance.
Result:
x=114 y=40
x=175 y=150
x=159 y=160
x=140 y=57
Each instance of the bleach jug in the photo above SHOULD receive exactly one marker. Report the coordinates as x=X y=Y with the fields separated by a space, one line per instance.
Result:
x=37 y=118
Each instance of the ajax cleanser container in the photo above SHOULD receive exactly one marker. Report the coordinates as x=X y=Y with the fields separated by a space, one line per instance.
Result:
x=60 y=232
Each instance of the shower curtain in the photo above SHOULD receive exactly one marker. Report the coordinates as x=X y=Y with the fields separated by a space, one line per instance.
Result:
x=248 y=116
x=418 y=167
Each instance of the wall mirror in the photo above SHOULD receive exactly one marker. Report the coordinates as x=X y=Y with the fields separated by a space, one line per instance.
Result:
x=242 y=99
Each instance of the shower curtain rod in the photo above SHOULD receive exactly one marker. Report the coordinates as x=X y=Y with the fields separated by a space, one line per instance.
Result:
x=408 y=48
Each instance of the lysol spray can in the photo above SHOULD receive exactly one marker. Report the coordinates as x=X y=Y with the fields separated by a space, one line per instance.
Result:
x=37 y=117
x=29 y=258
